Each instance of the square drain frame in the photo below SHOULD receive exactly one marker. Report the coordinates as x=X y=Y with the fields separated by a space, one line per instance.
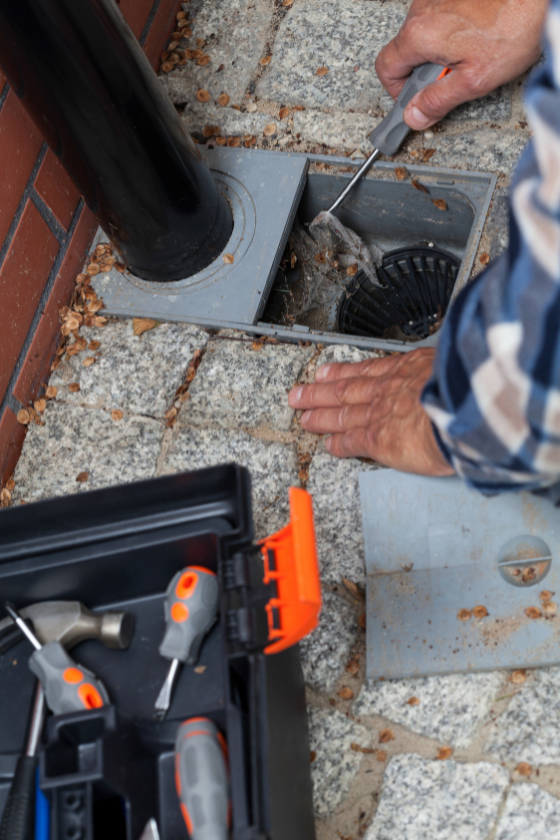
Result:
x=265 y=190
x=458 y=550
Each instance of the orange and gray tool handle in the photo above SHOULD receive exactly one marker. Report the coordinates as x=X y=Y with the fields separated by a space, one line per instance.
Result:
x=68 y=687
x=391 y=131
x=191 y=608
x=201 y=779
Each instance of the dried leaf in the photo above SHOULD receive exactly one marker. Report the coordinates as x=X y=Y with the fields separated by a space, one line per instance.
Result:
x=546 y=595
x=346 y=693
x=293 y=259
x=320 y=258
x=524 y=769
x=203 y=61
x=312 y=756
x=518 y=677
x=203 y=95
x=167 y=67
x=210 y=130
x=550 y=609
x=269 y=129
x=99 y=251
x=40 y=405
x=298 y=108
x=142 y=325
x=258 y=344
x=428 y=154
x=400 y=173
x=83 y=476
x=480 y=612
x=386 y=735
x=88 y=362
x=484 y=259
x=265 y=60
x=362 y=620
x=116 y=414
x=358 y=748
x=288 y=3
x=303 y=475
x=200 y=42
x=82 y=278
x=10 y=484
x=121 y=267
x=74 y=387
x=322 y=71
x=351 y=587
x=444 y=753
x=94 y=345
x=182 y=16
x=353 y=667
x=413 y=701
x=418 y=186
x=283 y=113
x=228 y=259
x=98 y=321
x=234 y=142
x=23 y=417
x=51 y=392
x=200 y=669
x=439 y=203
x=221 y=141
x=5 y=497
x=533 y=612
x=464 y=615
x=352 y=270
x=380 y=755
x=223 y=99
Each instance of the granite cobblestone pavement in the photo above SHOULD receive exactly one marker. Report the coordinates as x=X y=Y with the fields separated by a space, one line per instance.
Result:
x=462 y=756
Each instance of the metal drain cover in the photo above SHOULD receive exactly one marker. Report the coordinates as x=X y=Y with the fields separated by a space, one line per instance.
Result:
x=461 y=550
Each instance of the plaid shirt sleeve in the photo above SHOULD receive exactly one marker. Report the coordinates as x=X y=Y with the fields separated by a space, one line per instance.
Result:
x=494 y=398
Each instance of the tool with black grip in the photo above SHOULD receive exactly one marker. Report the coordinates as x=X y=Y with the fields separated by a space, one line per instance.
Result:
x=68 y=687
x=201 y=778
x=392 y=130
x=18 y=819
x=191 y=608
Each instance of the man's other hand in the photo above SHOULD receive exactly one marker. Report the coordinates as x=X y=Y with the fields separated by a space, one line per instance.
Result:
x=372 y=409
x=486 y=43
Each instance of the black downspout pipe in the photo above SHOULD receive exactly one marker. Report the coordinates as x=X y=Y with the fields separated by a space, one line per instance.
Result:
x=87 y=84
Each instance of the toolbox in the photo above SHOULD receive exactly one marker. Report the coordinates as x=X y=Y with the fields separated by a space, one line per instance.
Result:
x=107 y=771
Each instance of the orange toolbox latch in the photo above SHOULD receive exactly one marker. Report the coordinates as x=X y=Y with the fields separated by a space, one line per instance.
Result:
x=284 y=606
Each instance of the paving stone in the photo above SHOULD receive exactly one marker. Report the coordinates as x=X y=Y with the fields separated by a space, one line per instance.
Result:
x=451 y=708
x=347 y=131
x=326 y=650
x=333 y=483
x=238 y=387
x=530 y=812
x=236 y=33
x=438 y=800
x=137 y=374
x=495 y=108
x=330 y=737
x=230 y=122
x=349 y=35
x=527 y=729
x=485 y=149
x=75 y=440
x=273 y=468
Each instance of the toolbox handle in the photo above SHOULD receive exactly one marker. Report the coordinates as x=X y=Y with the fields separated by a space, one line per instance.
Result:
x=290 y=562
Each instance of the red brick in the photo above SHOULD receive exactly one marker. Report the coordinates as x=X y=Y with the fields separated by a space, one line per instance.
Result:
x=12 y=435
x=161 y=29
x=136 y=13
x=22 y=280
x=36 y=366
x=20 y=143
x=57 y=189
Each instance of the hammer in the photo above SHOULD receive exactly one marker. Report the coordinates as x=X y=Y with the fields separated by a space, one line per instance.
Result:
x=69 y=623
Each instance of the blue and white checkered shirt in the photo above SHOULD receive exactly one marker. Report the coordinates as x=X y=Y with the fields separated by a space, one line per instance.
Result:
x=495 y=395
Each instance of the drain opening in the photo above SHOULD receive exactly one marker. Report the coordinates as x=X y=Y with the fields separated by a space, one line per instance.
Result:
x=415 y=287
x=524 y=560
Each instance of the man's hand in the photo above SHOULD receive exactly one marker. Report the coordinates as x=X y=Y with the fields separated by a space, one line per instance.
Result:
x=486 y=42
x=372 y=409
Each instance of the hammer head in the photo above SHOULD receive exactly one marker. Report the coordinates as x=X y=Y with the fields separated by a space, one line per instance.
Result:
x=70 y=623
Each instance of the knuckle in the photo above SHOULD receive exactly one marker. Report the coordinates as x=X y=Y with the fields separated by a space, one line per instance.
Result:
x=340 y=390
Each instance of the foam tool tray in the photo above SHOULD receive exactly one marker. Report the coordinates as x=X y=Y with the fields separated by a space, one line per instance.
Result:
x=107 y=771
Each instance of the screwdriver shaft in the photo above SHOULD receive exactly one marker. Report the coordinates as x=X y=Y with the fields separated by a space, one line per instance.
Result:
x=10 y=609
x=353 y=181
x=164 y=697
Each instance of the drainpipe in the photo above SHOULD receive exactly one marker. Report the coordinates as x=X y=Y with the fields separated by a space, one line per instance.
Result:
x=86 y=83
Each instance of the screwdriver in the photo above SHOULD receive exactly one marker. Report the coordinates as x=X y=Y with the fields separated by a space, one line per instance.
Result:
x=201 y=779
x=68 y=687
x=190 y=608
x=392 y=130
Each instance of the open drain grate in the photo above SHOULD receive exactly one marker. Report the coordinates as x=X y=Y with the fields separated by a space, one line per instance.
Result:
x=415 y=287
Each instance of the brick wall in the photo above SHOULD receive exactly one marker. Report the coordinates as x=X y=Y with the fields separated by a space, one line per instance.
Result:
x=45 y=232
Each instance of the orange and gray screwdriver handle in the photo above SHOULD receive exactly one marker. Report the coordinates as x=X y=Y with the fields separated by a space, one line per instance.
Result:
x=68 y=687
x=391 y=131
x=191 y=608
x=201 y=779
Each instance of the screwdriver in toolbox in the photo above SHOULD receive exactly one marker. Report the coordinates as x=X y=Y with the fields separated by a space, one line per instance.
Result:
x=201 y=779
x=68 y=687
x=190 y=609
x=392 y=130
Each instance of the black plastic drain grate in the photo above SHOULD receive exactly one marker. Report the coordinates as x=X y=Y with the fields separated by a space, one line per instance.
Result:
x=415 y=287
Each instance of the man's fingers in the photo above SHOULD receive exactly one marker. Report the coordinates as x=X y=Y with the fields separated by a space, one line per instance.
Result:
x=440 y=98
x=393 y=67
x=353 y=444
x=341 y=392
x=327 y=420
